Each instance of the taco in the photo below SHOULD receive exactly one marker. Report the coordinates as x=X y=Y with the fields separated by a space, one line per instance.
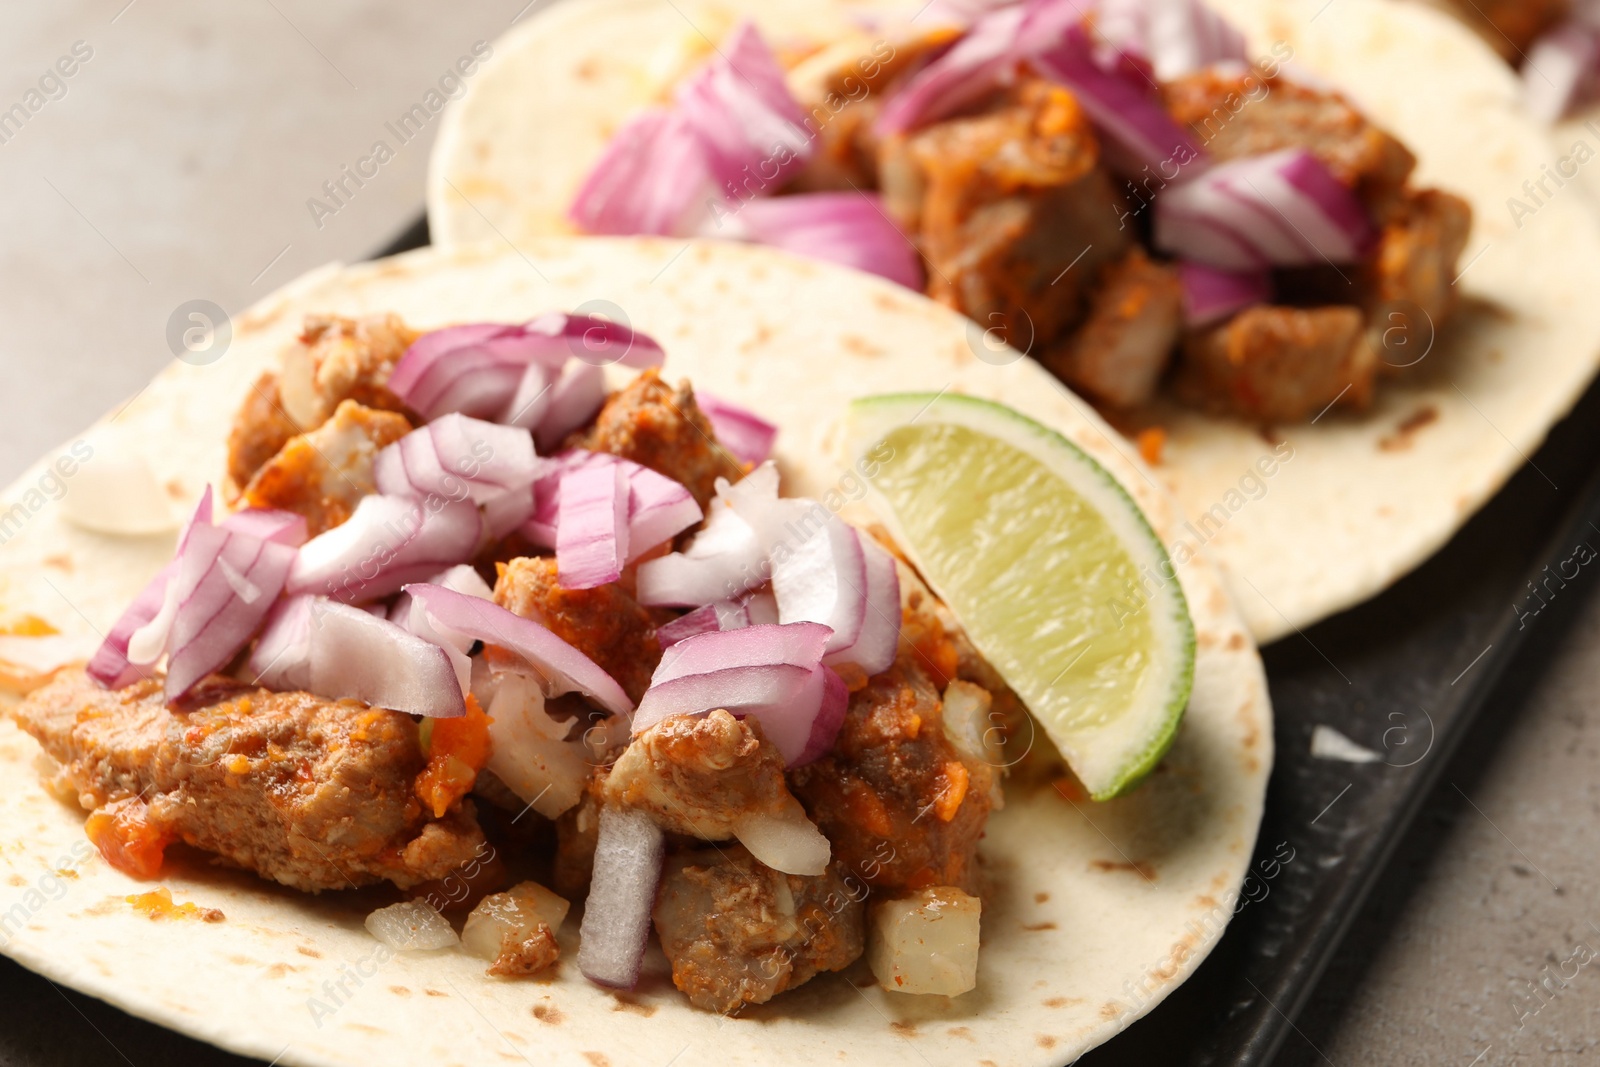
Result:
x=1328 y=409
x=345 y=783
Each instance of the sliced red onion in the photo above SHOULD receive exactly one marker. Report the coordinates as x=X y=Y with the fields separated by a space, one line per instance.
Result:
x=465 y=579
x=531 y=398
x=740 y=105
x=110 y=665
x=269 y=524
x=282 y=656
x=752 y=609
x=850 y=229
x=702 y=620
x=823 y=579
x=540 y=529
x=1177 y=37
x=654 y=177
x=659 y=508
x=773 y=673
x=1117 y=94
x=874 y=649
x=574 y=399
x=729 y=554
x=225 y=585
x=741 y=431
x=734 y=131
x=592 y=526
x=789 y=842
x=358 y=656
x=387 y=542
x=563 y=666
x=982 y=60
x=1211 y=294
x=1561 y=69
x=457 y=458
x=1282 y=209
x=483 y=369
x=628 y=855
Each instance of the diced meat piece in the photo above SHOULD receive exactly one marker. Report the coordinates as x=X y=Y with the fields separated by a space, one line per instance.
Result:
x=902 y=806
x=1510 y=26
x=338 y=359
x=312 y=793
x=260 y=430
x=842 y=90
x=324 y=473
x=1414 y=262
x=1012 y=210
x=663 y=428
x=1238 y=115
x=577 y=835
x=700 y=775
x=737 y=932
x=1279 y=364
x=604 y=623
x=1135 y=317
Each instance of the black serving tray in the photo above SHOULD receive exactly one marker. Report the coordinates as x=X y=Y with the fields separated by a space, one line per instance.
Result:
x=1405 y=675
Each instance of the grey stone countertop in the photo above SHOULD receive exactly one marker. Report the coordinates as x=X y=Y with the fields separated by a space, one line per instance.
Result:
x=175 y=164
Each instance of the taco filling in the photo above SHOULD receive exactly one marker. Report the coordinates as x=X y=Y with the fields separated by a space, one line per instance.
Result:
x=619 y=667
x=1127 y=196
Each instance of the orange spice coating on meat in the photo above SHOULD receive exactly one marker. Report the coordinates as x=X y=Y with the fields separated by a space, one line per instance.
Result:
x=312 y=793
x=324 y=473
x=604 y=623
x=662 y=428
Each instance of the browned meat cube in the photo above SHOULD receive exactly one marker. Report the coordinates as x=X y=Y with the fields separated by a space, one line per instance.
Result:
x=739 y=933
x=1414 y=264
x=700 y=775
x=1279 y=364
x=1238 y=115
x=604 y=623
x=324 y=473
x=338 y=359
x=902 y=806
x=1012 y=210
x=842 y=90
x=662 y=428
x=312 y=793
x=1135 y=316
x=259 y=430
x=577 y=836
x=1510 y=26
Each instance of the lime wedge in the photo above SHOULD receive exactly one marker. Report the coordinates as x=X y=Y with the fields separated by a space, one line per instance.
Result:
x=1051 y=567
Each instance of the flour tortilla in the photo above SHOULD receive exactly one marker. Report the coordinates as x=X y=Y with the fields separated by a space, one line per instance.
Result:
x=1364 y=497
x=1076 y=944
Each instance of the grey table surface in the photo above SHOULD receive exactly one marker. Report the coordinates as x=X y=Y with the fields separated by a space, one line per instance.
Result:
x=176 y=164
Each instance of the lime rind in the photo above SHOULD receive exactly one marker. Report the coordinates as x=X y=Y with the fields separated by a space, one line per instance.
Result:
x=1110 y=758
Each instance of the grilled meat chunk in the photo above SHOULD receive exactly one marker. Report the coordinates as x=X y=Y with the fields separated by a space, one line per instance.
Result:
x=902 y=806
x=843 y=89
x=1279 y=364
x=338 y=359
x=701 y=774
x=1238 y=115
x=662 y=428
x=308 y=792
x=259 y=431
x=1510 y=26
x=1135 y=316
x=604 y=623
x=1012 y=210
x=323 y=473
x=1414 y=262
x=738 y=932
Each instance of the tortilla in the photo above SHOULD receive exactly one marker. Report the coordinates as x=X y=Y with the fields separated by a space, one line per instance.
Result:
x=1361 y=498
x=1093 y=913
